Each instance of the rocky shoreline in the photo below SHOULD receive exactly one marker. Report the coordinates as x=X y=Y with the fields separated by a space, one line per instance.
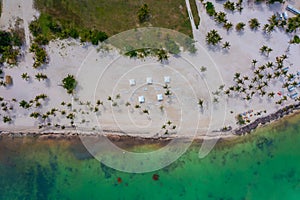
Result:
x=264 y=120
x=117 y=137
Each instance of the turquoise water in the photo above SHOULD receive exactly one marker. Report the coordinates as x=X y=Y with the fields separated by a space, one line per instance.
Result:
x=264 y=165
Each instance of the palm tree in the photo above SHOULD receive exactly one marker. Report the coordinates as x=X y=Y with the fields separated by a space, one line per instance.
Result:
x=35 y=114
x=277 y=74
x=6 y=119
x=269 y=76
x=200 y=102
x=168 y=93
x=229 y=5
x=260 y=76
x=25 y=76
x=137 y=106
x=118 y=96
x=268 y=51
x=213 y=37
x=240 y=26
x=146 y=111
x=247 y=98
x=285 y=85
x=127 y=104
x=263 y=49
x=169 y=122
x=166 y=86
x=227 y=92
x=254 y=24
x=246 y=78
x=237 y=75
x=228 y=26
x=162 y=55
x=254 y=62
x=271 y=94
x=24 y=104
x=220 y=17
x=262 y=68
x=240 y=81
x=99 y=102
x=40 y=76
x=256 y=72
x=269 y=65
x=284 y=56
x=226 y=45
x=109 y=98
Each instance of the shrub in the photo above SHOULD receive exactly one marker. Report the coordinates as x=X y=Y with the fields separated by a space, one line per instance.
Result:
x=69 y=83
x=210 y=8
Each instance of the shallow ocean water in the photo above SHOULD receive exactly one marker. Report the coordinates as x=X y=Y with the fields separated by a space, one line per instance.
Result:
x=263 y=165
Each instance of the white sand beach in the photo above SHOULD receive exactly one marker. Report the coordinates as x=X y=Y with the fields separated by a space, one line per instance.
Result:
x=103 y=74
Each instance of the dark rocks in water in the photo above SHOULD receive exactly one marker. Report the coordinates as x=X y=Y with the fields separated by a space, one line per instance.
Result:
x=264 y=120
x=263 y=142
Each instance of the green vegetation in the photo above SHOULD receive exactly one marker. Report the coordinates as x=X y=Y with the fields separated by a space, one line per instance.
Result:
x=228 y=26
x=254 y=24
x=210 y=8
x=293 y=24
x=295 y=40
x=213 y=37
x=9 y=40
x=41 y=76
x=240 y=120
x=172 y=47
x=144 y=13
x=240 y=26
x=112 y=16
x=69 y=83
x=220 y=17
x=195 y=13
x=46 y=28
x=40 y=55
x=229 y=5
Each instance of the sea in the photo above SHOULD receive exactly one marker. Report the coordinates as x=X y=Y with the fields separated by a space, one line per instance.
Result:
x=262 y=165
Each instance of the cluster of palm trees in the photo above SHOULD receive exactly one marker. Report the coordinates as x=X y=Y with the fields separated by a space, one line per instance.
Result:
x=168 y=126
x=213 y=37
x=265 y=50
x=6 y=106
x=41 y=76
x=257 y=85
x=161 y=54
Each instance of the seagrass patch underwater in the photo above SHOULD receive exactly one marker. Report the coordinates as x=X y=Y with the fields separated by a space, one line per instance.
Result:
x=263 y=165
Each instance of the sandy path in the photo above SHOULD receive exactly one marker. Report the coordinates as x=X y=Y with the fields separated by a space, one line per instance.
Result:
x=13 y=9
x=188 y=6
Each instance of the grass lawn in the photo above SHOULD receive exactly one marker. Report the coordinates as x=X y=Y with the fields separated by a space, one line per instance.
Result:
x=195 y=12
x=115 y=16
